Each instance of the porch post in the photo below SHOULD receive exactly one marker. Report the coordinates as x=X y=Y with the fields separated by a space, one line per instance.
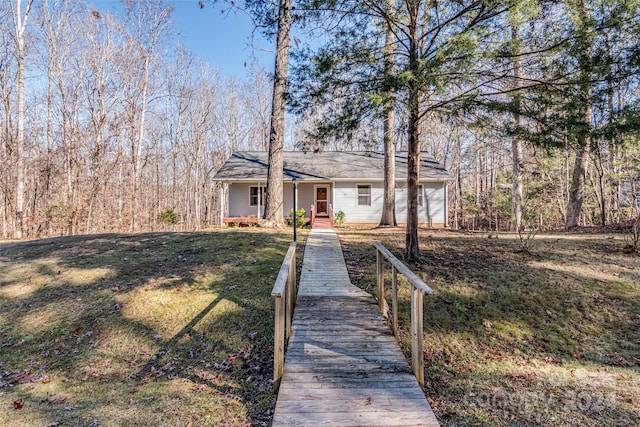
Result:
x=259 y=200
x=222 y=185
x=295 y=209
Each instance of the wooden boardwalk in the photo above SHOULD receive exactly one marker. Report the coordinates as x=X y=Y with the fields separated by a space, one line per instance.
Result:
x=343 y=366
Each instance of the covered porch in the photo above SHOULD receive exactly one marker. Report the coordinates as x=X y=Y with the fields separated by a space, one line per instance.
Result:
x=243 y=203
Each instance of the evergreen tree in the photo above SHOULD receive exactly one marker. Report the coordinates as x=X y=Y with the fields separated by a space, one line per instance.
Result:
x=570 y=61
x=439 y=46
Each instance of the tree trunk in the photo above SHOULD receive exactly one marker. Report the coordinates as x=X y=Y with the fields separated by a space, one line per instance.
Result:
x=516 y=142
x=20 y=138
x=273 y=205
x=412 y=247
x=388 y=217
x=576 y=192
x=20 y=22
x=137 y=149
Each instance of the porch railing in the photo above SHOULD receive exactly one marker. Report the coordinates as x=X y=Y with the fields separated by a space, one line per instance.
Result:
x=284 y=293
x=418 y=289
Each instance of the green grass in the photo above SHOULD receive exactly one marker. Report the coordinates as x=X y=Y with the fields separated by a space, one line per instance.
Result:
x=546 y=338
x=160 y=329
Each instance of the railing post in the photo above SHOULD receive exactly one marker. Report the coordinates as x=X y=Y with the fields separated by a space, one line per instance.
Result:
x=418 y=290
x=394 y=300
x=380 y=280
x=290 y=291
x=417 y=355
x=278 y=350
x=284 y=292
x=294 y=281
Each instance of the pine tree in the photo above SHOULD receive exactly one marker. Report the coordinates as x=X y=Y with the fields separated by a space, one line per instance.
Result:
x=273 y=205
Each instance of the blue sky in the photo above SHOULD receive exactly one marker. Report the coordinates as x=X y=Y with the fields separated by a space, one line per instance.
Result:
x=223 y=40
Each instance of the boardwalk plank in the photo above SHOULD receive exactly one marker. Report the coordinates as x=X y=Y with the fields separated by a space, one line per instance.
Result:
x=373 y=395
x=349 y=379
x=343 y=366
x=379 y=418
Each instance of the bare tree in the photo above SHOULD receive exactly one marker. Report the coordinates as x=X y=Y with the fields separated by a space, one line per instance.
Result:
x=149 y=23
x=101 y=99
x=7 y=77
x=20 y=16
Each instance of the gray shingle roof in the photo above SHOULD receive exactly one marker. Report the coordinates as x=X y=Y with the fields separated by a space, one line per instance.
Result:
x=326 y=166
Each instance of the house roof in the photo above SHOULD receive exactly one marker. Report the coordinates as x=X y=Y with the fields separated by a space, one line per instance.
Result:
x=326 y=166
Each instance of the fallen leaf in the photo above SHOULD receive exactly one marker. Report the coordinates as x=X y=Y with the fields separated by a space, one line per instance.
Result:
x=522 y=377
x=18 y=404
x=467 y=368
x=56 y=400
x=24 y=378
x=487 y=323
x=199 y=388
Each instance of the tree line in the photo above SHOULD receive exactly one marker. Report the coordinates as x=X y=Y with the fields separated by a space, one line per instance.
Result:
x=532 y=105
x=547 y=79
x=109 y=124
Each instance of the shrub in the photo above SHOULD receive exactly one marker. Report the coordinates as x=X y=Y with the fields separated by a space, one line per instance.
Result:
x=338 y=218
x=300 y=219
x=168 y=217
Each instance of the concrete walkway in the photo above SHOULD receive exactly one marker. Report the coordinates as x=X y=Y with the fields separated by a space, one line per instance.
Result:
x=343 y=366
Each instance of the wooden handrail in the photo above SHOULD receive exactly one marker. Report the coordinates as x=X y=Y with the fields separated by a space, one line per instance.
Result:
x=313 y=215
x=418 y=289
x=284 y=292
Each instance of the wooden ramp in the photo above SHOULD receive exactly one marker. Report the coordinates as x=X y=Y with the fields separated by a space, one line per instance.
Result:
x=343 y=366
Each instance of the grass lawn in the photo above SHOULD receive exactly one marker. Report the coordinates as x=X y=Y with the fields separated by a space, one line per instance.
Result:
x=515 y=339
x=162 y=329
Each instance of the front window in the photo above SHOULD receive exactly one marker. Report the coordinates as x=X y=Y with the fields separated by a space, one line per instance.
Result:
x=420 y=195
x=364 y=195
x=257 y=195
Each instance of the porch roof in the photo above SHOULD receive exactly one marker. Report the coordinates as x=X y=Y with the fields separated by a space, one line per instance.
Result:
x=326 y=166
